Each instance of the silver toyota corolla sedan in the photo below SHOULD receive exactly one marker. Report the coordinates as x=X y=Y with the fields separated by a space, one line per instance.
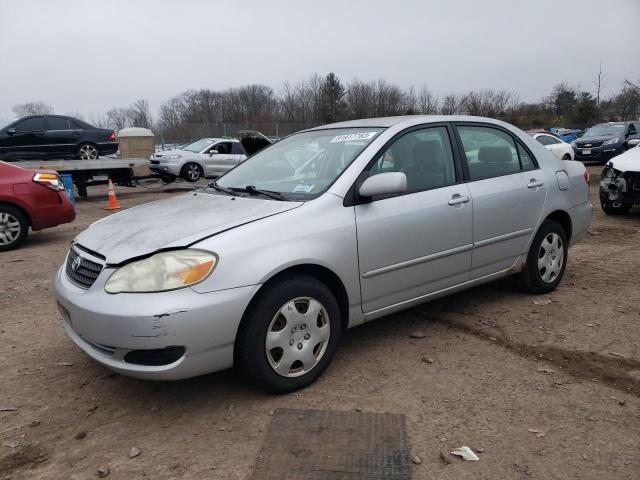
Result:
x=264 y=268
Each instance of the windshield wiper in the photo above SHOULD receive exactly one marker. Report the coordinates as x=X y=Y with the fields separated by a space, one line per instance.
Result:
x=222 y=189
x=250 y=189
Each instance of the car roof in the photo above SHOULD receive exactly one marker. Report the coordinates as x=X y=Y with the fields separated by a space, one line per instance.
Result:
x=386 y=122
x=213 y=139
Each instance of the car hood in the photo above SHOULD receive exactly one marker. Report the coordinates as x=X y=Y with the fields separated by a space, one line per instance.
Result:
x=629 y=161
x=601 y=138
x=173 y=222
x=164 y=153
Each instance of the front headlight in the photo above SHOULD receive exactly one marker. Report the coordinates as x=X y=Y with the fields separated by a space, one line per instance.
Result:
x=163 y=271
x=611 y=141
x=173 y=157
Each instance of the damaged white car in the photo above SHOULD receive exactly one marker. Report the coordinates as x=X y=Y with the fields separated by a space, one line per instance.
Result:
x=620 y=182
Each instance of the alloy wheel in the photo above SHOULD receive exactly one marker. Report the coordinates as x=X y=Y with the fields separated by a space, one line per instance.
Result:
x=193 y=172
x=88 y=152
x=9 y=229
x=550 y=257
x=298 y=337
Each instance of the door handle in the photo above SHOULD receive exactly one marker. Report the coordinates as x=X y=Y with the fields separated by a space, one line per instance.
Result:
x=457 y=199
x=533 y=183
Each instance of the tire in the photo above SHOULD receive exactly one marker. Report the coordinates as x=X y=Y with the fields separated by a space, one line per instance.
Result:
x=191 y=172
x=298 y=351
x=167 y=178
x=612 y=208
x=546 y=261
x=566 y=156
x=88 y=151
x=14 y=226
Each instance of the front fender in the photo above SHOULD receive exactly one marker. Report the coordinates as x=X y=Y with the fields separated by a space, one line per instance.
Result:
x=320 y=232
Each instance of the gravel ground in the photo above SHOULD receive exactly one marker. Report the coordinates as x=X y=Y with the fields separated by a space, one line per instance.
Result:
x=545 y=387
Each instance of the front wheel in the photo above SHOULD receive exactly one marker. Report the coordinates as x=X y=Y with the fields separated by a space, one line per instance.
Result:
x=566 y=156
x=547 y=259
x=613 y=207
x=191 y=172
x=88 y=151
x=289 y=336
x=14 y=227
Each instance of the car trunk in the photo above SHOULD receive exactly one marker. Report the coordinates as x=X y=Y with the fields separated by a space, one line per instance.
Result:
x=252 y=141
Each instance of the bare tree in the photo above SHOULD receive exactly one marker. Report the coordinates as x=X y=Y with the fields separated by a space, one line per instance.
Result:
x=138 y=114
x=32 y=108
x=77 y=115
x=100 y=121
x=451 y=104
x=117 y=118
x=427 y=102
x=600 y=84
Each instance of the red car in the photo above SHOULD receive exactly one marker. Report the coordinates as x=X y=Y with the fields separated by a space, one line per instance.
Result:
x=30 y=198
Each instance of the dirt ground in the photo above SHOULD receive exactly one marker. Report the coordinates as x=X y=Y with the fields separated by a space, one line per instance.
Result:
x=545 y=387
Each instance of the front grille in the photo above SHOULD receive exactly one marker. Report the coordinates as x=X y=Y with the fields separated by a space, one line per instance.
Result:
x=80 y=270
x=154 y=162
x=156 y=358
x=591 y=144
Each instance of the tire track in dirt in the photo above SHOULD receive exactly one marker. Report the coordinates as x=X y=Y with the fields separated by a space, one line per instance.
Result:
x=618 y=372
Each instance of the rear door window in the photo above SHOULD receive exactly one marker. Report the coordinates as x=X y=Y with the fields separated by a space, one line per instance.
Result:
x=57 y=123
x=237 y=149
x=490 y=152
x=547 y=140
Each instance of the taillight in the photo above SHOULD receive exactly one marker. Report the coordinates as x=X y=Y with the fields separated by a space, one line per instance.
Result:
x=587 y=177
x=50 y=180
x=112 y=137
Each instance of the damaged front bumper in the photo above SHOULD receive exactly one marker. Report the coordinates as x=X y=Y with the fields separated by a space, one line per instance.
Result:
x=619 y=188
x=157 y=336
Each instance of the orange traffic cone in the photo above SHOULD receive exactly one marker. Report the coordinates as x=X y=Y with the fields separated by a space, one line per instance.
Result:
x=113 y=200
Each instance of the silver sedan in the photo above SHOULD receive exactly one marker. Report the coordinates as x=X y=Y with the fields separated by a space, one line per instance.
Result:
x=265 y=268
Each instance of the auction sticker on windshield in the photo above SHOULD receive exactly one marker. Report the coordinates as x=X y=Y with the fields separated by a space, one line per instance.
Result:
x=353 y=136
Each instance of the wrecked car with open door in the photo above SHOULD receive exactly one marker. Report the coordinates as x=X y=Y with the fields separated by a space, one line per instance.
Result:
x=620 y=182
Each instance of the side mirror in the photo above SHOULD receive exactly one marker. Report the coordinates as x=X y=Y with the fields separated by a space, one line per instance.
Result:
x=383 y=184
x=11 y=131
x=633 y=142
x=213 y=152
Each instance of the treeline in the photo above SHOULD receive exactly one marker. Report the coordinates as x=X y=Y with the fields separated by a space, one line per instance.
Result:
x=325 y=99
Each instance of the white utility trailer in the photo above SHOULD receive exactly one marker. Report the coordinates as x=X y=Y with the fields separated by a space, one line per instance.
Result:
x=86 y=173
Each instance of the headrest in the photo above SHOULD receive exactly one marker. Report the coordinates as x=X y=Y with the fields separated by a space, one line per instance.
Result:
x=495 y=154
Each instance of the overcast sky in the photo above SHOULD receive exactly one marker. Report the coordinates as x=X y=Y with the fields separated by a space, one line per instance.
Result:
x=88 y=56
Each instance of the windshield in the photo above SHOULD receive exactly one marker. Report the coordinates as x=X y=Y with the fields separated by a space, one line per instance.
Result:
x=604 y=130
x=303 y=165
x=198 y=146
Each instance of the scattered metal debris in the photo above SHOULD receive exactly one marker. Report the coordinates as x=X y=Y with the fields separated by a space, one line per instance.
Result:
x=544 y=301
x=102 y=472
x=466 y=453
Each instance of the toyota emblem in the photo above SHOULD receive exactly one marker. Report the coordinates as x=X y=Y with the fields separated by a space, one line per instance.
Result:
x=77 y=263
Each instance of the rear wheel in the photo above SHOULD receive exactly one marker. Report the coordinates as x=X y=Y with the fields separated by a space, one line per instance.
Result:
x=14 y=227
x=88 y=151
x=289 y=336
x=546 y=260
x=191 y=172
